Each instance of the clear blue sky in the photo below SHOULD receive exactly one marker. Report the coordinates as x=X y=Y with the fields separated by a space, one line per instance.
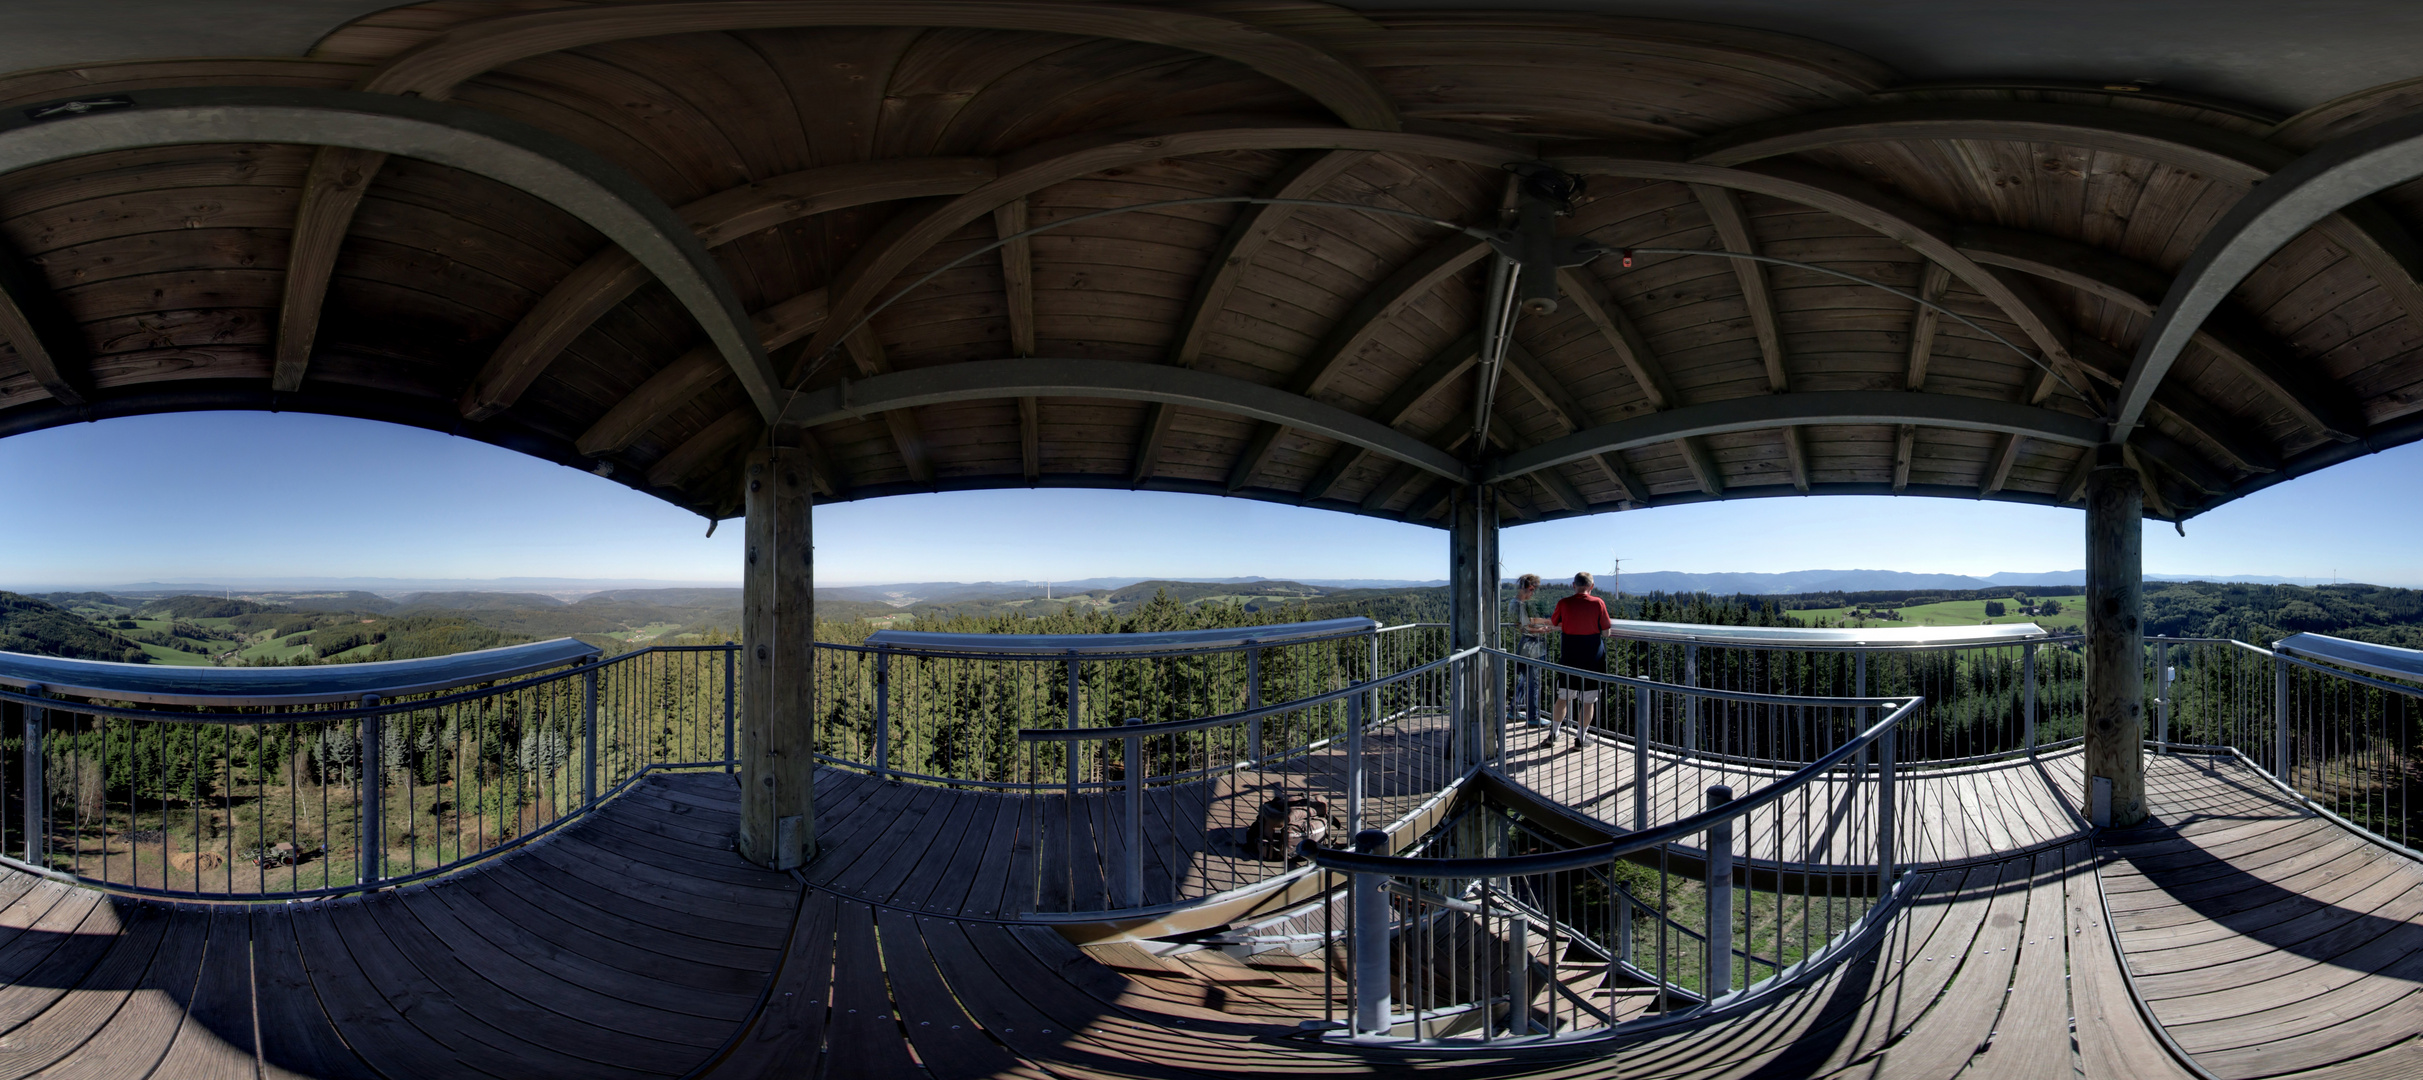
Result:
x=217 y=496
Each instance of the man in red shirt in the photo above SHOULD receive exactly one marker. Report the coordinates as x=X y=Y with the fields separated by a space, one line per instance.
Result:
x=1584 y=622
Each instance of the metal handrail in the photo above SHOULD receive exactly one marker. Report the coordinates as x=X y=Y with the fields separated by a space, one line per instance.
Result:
x=1598 y=854
x=1172 y=727
x=1156 y=654
x=1747 y=696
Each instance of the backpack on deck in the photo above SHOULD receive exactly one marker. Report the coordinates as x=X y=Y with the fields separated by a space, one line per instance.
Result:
x=1286 y=822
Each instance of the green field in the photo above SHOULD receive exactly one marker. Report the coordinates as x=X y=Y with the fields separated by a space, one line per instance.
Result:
x=1954 y=613
x=161 y=654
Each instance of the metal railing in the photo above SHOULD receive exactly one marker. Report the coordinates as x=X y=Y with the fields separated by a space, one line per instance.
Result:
x=2340 y=736
x=241 y=799
x=952 y=715
x=1474 y=944
x=1983 y=700
x=1151 y=816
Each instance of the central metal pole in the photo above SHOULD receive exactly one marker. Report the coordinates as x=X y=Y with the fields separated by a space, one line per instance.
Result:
x=1720 y=898
x=371 y=827
x=1371 y=940
x=1131 y=869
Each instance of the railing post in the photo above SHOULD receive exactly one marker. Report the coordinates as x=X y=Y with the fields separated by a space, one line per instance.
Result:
x=1720 y=899
x=2027 y=668
x=1131 y=869
x=1885 y=836
x=1371 y=940
x=1518 y=970
x=34 y=801
x=1494 y=694
x=883 y=712
x=1253 y=700
x=1354 y=763
x=1643 y=701
x=589 y=737
x=2280 y=717
x=2162 y=697
x=729 y=761
x=1076 y=711
x=373 y=815
x=1459 y=719
x=1690 y=702
x=1623 y=926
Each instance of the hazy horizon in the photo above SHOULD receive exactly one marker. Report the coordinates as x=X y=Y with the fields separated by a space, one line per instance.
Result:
x=229 y=498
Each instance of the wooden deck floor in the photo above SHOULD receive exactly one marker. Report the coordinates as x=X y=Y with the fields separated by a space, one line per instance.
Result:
x=1949 y=817
x=981 y=854
x=2269 y=940
x=632 y=945
x=636 y=944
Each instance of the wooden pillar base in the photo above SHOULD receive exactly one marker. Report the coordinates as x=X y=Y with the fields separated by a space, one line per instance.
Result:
x=778 y=653
x=2115 y=643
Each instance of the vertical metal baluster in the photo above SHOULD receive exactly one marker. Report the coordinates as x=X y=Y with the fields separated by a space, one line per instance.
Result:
x=588 y=738
x=1371 y=939
x=883 y=712
x=370 y=813
x=2280 y=717
x=1642 y=699
x=2027 y=663
x=34 y=831
x=1131 y=873
x=729 y=759
x=1719 y=969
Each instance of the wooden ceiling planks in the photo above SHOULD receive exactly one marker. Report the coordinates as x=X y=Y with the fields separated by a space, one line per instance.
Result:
x=2050 y=217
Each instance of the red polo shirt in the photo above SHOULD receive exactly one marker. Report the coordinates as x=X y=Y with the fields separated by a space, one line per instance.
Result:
x=1581 y=616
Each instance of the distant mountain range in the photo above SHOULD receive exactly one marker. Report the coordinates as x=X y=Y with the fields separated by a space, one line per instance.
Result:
x=473 y=593
x=1812 y=581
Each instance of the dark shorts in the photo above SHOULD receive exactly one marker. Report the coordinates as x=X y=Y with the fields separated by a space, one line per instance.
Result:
x=1587 y=653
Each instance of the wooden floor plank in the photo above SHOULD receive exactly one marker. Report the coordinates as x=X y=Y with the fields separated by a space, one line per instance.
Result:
x=947 y=1040
x=139 y=1032
x=215 y=1042
x=297 y=1038
x=83 y=1010
x=864 y=1041
x=786 y=1036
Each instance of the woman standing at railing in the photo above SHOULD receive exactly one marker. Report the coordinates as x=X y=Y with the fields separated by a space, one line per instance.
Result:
x=1584 y=622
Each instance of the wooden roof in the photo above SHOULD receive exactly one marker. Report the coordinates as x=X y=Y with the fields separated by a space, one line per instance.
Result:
x=620 y=236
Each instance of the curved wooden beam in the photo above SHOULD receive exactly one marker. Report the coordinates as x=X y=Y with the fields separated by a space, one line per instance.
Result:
x=2229 y=332
x=540 y=163
x=1353 y=333
x=1915 y=227
x=1117 y=380
x=893 y=250
x=2295 y=199
x=1781 y=410
x=611 y=276
x=1251 y=230
x=693 y=373
x=2386 y=248
x=434 y=68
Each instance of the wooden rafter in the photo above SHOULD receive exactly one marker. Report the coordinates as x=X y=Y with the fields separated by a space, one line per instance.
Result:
x=1018 y=305
x=877 y=265
x=47 y=342
x=908 y=435
x=1922 y=323
x=1732 y=225
x=693 y=373
x=1247 y=234
x=1905 y=449
x=611 y=276
x=331 y=191
x=1796 y=456
x=2386 y=248
x=1354 y=331
x=436 y=67
x=2229 y=333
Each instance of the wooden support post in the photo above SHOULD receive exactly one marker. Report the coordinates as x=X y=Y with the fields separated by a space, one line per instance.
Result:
x=777 y=758
x=1472 y=557
x=2115 y=638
